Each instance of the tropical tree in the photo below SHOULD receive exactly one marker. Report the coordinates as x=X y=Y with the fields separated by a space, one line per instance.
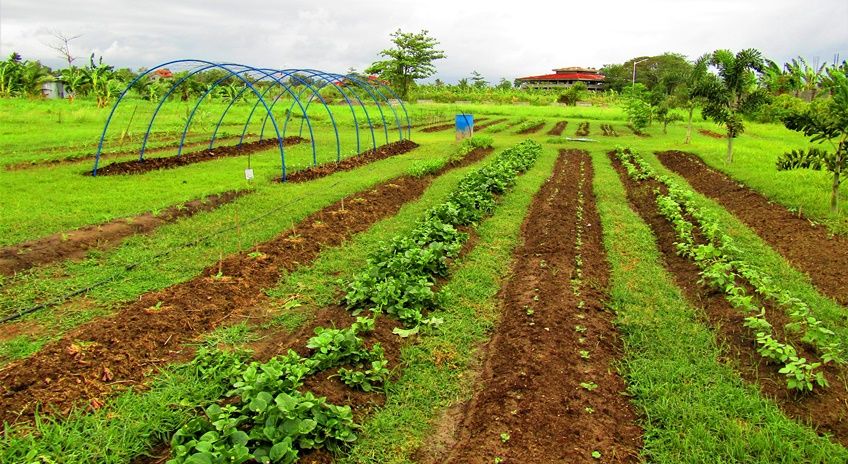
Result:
x=688 y=94
x=75 y=80
x=637 y=106
x=478 y=81
x=101 y=81
x=412 y=58
x=824 y=121
x=733 y=91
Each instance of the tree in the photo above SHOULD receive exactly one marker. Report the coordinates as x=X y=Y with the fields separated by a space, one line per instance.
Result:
x=504 y=84
x=478 y=81
x=573 y=94
x=637 y=106
x=733 y=91
x=824 y=121
x=411 y=59
x=688 y=94
x=62 y=46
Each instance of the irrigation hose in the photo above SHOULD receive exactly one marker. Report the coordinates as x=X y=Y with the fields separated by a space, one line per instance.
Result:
x=61 y=299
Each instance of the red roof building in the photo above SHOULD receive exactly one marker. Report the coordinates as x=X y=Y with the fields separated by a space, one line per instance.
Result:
x=564 y=77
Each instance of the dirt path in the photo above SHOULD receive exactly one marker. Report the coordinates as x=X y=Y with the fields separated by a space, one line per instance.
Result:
x=558 y=128
x=826 y=409
x=554 y=335
x=152 y=164
x=121 y=350
x=810 y=248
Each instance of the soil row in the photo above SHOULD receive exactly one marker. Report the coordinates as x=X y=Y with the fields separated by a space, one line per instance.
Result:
x=710 y=133
x=444 y=127
x=808 y=247
x=531 y=129
x=548 y=391
x=169 y=162
x=109 y=155
x=76 y=244
x=488 y=124
x=636 y=131
x=558 y=128
x=825 y=409
x=91 y=361
x=366 y=157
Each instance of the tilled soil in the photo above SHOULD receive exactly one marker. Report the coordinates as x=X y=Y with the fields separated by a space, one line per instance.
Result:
x=89 y=362
x=152 y=164
x=810 y=248
x=531 y=129
x=369 y=156
x=530 y=406
x=444 y=127
x=608 y=130
x=825 y=409
x=636 y=131
x=558 y=128
x=75 y=244
x=109 y=155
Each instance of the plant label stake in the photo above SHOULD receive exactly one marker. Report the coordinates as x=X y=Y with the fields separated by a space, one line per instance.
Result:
x=248 y=174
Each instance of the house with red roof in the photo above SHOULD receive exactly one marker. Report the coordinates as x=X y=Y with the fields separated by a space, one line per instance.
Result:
x=562 y=78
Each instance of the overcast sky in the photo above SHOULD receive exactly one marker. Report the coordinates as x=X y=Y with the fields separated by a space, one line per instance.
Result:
x=498 y=39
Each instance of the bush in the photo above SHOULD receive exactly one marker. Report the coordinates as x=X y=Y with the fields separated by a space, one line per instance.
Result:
x=780 y=108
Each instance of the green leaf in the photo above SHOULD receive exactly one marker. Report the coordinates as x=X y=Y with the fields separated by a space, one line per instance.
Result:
x=404 y=333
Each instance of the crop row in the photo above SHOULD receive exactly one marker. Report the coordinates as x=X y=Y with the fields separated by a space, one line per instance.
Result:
x=744 y=286
x=272 y=421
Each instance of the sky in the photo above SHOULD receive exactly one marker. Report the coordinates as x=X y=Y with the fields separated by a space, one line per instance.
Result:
x=498 y=39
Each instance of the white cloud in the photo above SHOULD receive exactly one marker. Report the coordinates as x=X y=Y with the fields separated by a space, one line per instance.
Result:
x=498 y=39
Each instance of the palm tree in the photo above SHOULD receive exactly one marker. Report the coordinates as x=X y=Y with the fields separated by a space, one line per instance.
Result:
x=733 y=91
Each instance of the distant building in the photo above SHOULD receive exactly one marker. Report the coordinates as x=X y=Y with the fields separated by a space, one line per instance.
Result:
x=53 y=88
x=562 y=78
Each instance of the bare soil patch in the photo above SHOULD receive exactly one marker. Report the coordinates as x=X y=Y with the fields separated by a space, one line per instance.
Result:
x=825 y=409
x=809 y=247
x=558 y=128
x=488 y=124
x=530 y=386
x=76 y=244
x=583 y=129
x=152 y=164
x=608 y=130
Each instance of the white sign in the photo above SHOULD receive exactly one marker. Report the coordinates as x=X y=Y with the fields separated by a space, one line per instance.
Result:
x=248 y=174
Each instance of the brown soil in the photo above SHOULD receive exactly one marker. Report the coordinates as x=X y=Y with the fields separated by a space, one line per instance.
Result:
x=152 y=164
x=825 y=409
x=710 y=133
x=530 y=383
x=810 y=248
x=369 y=156
x=88 y=363
x=488 y=124
x=558 y=128
x=532 y=129
x=75 y=244
x=110 y=155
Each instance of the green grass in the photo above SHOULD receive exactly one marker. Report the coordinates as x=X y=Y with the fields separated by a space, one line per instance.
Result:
x=694 y=408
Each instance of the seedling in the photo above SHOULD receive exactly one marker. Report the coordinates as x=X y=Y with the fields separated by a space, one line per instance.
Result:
x=589 y=410
x=504 y=437
x=580 y=328
x=596 y=454
x=584 y=354
x=590 y=386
